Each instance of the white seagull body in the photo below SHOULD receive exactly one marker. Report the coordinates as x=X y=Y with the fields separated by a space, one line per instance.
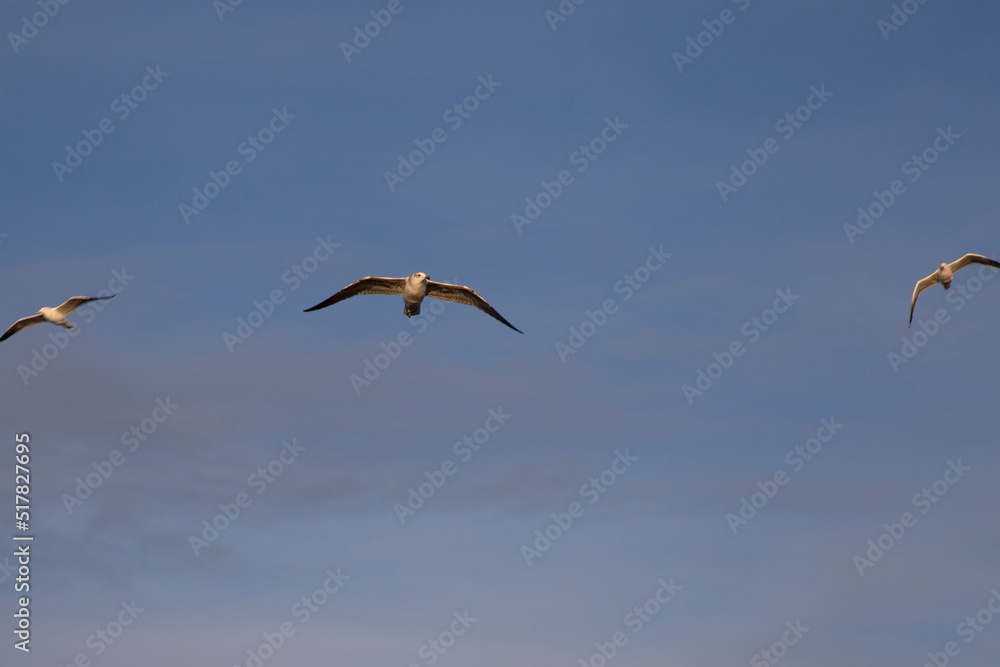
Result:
x=55 y=315
x=945 y=273
x=414 y=289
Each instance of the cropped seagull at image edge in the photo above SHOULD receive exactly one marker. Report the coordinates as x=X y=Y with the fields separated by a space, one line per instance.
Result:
x=945 y=273
x=414 y=289
x=55 y=315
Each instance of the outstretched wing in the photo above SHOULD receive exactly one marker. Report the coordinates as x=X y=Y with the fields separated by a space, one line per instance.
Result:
x=72 y=304
x=464 y=295
x=972 y=259
x=369 y=285
x=22 y=323
x=920 y=287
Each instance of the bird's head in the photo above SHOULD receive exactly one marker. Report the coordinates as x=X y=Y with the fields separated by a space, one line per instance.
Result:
x=419 y=277
x=943 y=266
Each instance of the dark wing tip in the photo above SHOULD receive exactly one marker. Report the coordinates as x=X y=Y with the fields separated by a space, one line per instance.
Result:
x=12 y=329
x=974 y=258
x=321 y=304
x=336 y=298
x=339 y=296
x=494 y=314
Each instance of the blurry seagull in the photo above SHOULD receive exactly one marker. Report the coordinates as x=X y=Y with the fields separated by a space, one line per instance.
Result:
x=55 y=315
x=414 y=289
x=945 y=273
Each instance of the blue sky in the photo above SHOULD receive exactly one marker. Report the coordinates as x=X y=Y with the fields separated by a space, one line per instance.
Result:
x=793 y=317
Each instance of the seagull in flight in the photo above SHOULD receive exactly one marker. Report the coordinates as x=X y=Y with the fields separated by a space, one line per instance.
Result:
x=414 y=289
x=945 y=273
x=55 y=315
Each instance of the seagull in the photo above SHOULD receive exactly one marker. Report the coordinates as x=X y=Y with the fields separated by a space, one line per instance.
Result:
x=414 y=289
x=945 y=273
x=55 y=315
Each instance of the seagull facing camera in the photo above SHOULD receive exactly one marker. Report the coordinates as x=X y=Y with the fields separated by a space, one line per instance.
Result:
x=944 y=275
x=414 y=289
